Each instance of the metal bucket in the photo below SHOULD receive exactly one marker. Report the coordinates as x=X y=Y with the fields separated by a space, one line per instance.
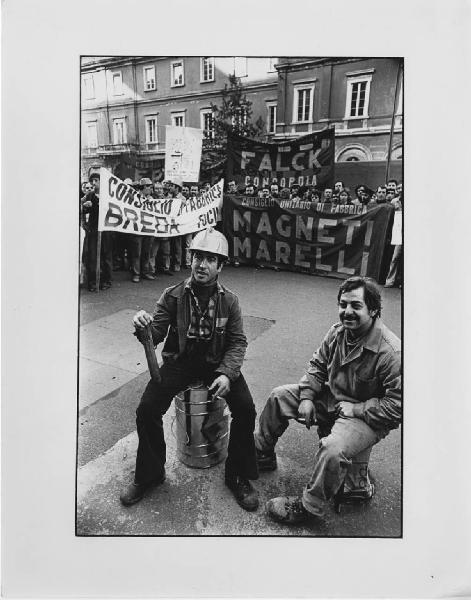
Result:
x=202 y=423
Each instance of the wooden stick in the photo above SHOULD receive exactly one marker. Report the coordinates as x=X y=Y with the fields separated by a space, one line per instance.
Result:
x=98 y=262
x=146 y=338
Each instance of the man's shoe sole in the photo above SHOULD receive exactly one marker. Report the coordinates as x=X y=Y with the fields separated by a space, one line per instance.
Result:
x=267 y=467
x=267 y=463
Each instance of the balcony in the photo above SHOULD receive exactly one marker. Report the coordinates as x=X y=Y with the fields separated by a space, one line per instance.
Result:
x=151 y=148
x=111 y=149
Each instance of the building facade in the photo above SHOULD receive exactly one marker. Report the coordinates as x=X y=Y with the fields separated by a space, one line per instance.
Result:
x=128 y=101
x=361 y=97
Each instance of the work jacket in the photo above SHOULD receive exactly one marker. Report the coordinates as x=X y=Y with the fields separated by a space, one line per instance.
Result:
x=369 y=376
x=228 y=343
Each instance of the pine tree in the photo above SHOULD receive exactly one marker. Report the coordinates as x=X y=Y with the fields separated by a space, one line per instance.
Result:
x=233 y=116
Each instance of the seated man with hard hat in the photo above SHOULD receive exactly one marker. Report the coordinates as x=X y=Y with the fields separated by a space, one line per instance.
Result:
x=202 y=323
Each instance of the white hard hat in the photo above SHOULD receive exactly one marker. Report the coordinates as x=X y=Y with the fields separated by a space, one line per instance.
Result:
x=210 y=240
x=128 y=181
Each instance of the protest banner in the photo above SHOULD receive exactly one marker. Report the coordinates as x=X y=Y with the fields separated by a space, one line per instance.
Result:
x=125 y=210
x=334 y=240
x=307 y=160
x=182 y=153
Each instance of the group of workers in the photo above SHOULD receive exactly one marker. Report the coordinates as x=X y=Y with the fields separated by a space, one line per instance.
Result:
x=351 y=388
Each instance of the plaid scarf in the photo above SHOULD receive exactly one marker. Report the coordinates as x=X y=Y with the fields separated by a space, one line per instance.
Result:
x=201 y=322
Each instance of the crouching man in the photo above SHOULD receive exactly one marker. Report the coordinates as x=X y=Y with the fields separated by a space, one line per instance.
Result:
x=352 y=390
x=202 y=323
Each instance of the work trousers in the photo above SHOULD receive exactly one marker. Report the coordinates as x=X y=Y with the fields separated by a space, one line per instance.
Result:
x=395 y=268
x=155 y=401
x=159 y=242
x=343 y=452
x=106 y=256
x=141 y=246
x=186 y=243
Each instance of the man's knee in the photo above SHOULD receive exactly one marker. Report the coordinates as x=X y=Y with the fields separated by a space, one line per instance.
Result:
x=151 y=404
x=242 y=407
x=283 y=399
x=332 y=448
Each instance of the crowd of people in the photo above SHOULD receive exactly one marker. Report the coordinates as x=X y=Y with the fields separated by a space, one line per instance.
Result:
x=145 y=257
x=340 y=194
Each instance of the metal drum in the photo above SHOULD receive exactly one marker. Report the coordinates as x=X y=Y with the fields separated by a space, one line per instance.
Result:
x=202 y=423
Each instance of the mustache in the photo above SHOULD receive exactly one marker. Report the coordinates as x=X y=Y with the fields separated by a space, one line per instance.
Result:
x=348 y=318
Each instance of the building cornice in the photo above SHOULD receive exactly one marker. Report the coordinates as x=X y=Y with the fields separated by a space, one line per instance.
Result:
x=190 y=96
x=303 y=62
x=118 y=61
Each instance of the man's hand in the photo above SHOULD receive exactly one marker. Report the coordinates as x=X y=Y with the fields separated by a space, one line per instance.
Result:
x=221 y=384
x=87 y=203
x=141 y=319
x=345 y=409
x=307 y=412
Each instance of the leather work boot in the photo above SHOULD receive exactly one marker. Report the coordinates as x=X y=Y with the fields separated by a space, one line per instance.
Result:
x=288 y=510
x=266 y=461
x=244 y=492
x=135 y=491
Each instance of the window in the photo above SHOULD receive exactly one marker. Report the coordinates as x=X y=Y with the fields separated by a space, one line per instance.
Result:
x=92 y=137
x=117 y=83
x=302 y=107
x=149 y=78
x=88 y=87
x=207 y=69
x=207 y=123
x=271 y=117
x=119 y=131
x=240 y=66
x=177 y=74
x=151 y=130
x=358 y=96
x=178 y=119
x=353 y=153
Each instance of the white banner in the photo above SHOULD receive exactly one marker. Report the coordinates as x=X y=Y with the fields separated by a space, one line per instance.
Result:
x=182 y=153
x=125 y=210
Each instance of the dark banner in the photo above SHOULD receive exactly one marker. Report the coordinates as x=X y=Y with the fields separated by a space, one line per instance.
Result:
x=334 y=240
x=307 y=160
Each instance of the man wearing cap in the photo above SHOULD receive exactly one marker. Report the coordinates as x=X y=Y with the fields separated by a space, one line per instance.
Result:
x=201 y=323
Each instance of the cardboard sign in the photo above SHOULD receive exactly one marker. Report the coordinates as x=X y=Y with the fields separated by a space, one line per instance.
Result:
x=183 y=153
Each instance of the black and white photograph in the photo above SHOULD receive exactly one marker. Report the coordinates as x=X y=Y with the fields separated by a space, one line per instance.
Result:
x=240 y=368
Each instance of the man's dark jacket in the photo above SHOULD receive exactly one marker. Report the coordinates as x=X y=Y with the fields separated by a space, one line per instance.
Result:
x=171 y=319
